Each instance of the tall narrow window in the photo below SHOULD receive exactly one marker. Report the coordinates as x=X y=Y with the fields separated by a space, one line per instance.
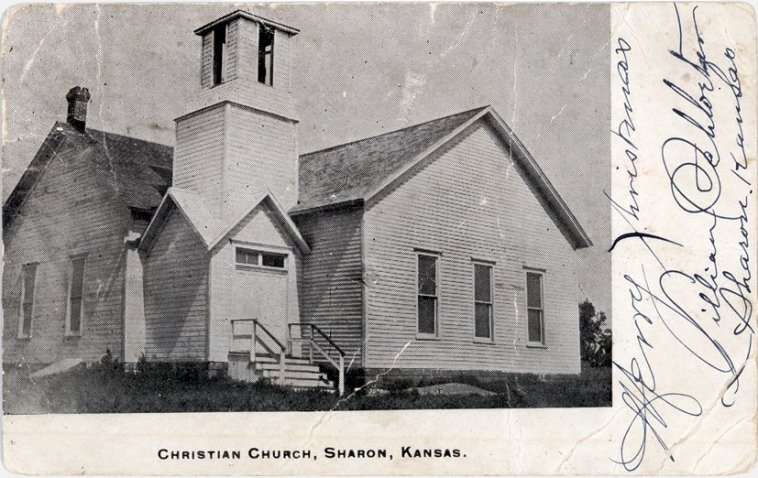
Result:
x=265 y=55
x=219 y=54
x=535 y=310
x=427 y=295
x=75 y=293
x=482 y=301
x=26 y=315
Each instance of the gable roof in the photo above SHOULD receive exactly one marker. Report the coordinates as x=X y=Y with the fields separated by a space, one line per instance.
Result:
x=141 y=170
x=208 y=226
x=138 y=171
x=351 y=171
x=358 y=172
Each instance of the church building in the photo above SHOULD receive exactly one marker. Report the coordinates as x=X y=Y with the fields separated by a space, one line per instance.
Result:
x=439 y=247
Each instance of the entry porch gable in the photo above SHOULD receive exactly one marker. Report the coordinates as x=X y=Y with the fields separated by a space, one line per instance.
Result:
x=253 y=275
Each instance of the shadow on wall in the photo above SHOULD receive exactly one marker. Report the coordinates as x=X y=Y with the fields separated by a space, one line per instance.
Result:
x=175 y=292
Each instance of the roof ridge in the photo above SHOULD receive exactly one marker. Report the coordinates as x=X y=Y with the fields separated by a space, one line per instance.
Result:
x=478 y=109
x=109 y=133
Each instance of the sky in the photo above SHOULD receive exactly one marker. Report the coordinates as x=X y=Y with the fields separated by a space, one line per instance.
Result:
x=358 y=71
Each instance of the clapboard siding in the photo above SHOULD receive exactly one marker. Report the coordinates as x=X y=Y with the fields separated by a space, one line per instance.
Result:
x=70 y=211
x=247 y=47
x=199 y=153
x=232 y=48
x=206 y=62
x=261 y=156
x=240 y=83
x=220 y=284
x=275 y=100
x=282 y=64
x=331 y=294
x=258 y=229
x=467 y=201
x=176 y=294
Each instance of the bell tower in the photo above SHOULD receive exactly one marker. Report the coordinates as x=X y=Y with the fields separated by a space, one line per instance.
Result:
x=239 y=138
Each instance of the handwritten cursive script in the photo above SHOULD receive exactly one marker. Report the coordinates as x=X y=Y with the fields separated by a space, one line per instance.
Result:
x=706 y=307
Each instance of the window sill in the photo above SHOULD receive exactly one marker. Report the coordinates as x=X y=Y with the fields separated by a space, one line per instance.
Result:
x=535 y=345
x=276 y=270
x=427 y=337
x=69 y=335
x=482 y=340
x=25 y=338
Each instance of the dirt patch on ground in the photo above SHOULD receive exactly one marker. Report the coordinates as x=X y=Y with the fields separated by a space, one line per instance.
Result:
x=452 y=389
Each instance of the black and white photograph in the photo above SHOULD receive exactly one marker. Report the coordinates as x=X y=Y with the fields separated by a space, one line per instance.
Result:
x=325 y=239
x=306 y=207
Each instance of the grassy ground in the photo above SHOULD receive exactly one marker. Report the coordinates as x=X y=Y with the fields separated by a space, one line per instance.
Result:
x=99 y=390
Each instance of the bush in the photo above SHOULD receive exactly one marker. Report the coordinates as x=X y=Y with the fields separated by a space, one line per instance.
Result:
x=595 y=337
x=109 y=364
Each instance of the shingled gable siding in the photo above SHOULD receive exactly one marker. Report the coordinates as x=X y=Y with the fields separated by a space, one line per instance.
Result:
x=70 y=211
x=332 y=277
x=199 y=153
x=469 y=202
x=176 y=294
x=261 y=154
x=260 y=230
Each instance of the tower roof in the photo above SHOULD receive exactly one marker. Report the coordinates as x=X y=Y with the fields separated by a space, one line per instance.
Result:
x=243 y=14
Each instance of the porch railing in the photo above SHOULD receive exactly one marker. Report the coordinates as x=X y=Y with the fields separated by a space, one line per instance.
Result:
x=256 y=338
x=311 y=335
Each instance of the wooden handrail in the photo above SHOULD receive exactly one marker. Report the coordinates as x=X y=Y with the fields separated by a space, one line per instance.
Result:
x=254 y=340
x=339 y=364
x=321 y=333
x=262 y=327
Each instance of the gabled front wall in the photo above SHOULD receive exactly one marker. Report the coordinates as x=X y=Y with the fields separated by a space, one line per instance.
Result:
x=260 y=230
x=175 y=278
x=468 y=202
x=71 y=211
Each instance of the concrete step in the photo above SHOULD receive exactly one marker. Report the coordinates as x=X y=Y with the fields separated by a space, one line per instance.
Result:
x=304 y=383
x=260 y=358
x=288 y=367
x=270 y=359
x=321 y=389
x=290 y=374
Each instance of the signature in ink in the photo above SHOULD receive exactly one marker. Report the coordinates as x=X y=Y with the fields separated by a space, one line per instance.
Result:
x=708 y=310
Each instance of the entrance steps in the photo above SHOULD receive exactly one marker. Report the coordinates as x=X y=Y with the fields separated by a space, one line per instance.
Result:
x=298 y=372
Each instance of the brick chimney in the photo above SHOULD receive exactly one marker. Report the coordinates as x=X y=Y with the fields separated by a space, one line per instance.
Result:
x=77 y=97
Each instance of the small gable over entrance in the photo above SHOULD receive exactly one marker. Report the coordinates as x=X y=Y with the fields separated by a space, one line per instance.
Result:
x=264 y=219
